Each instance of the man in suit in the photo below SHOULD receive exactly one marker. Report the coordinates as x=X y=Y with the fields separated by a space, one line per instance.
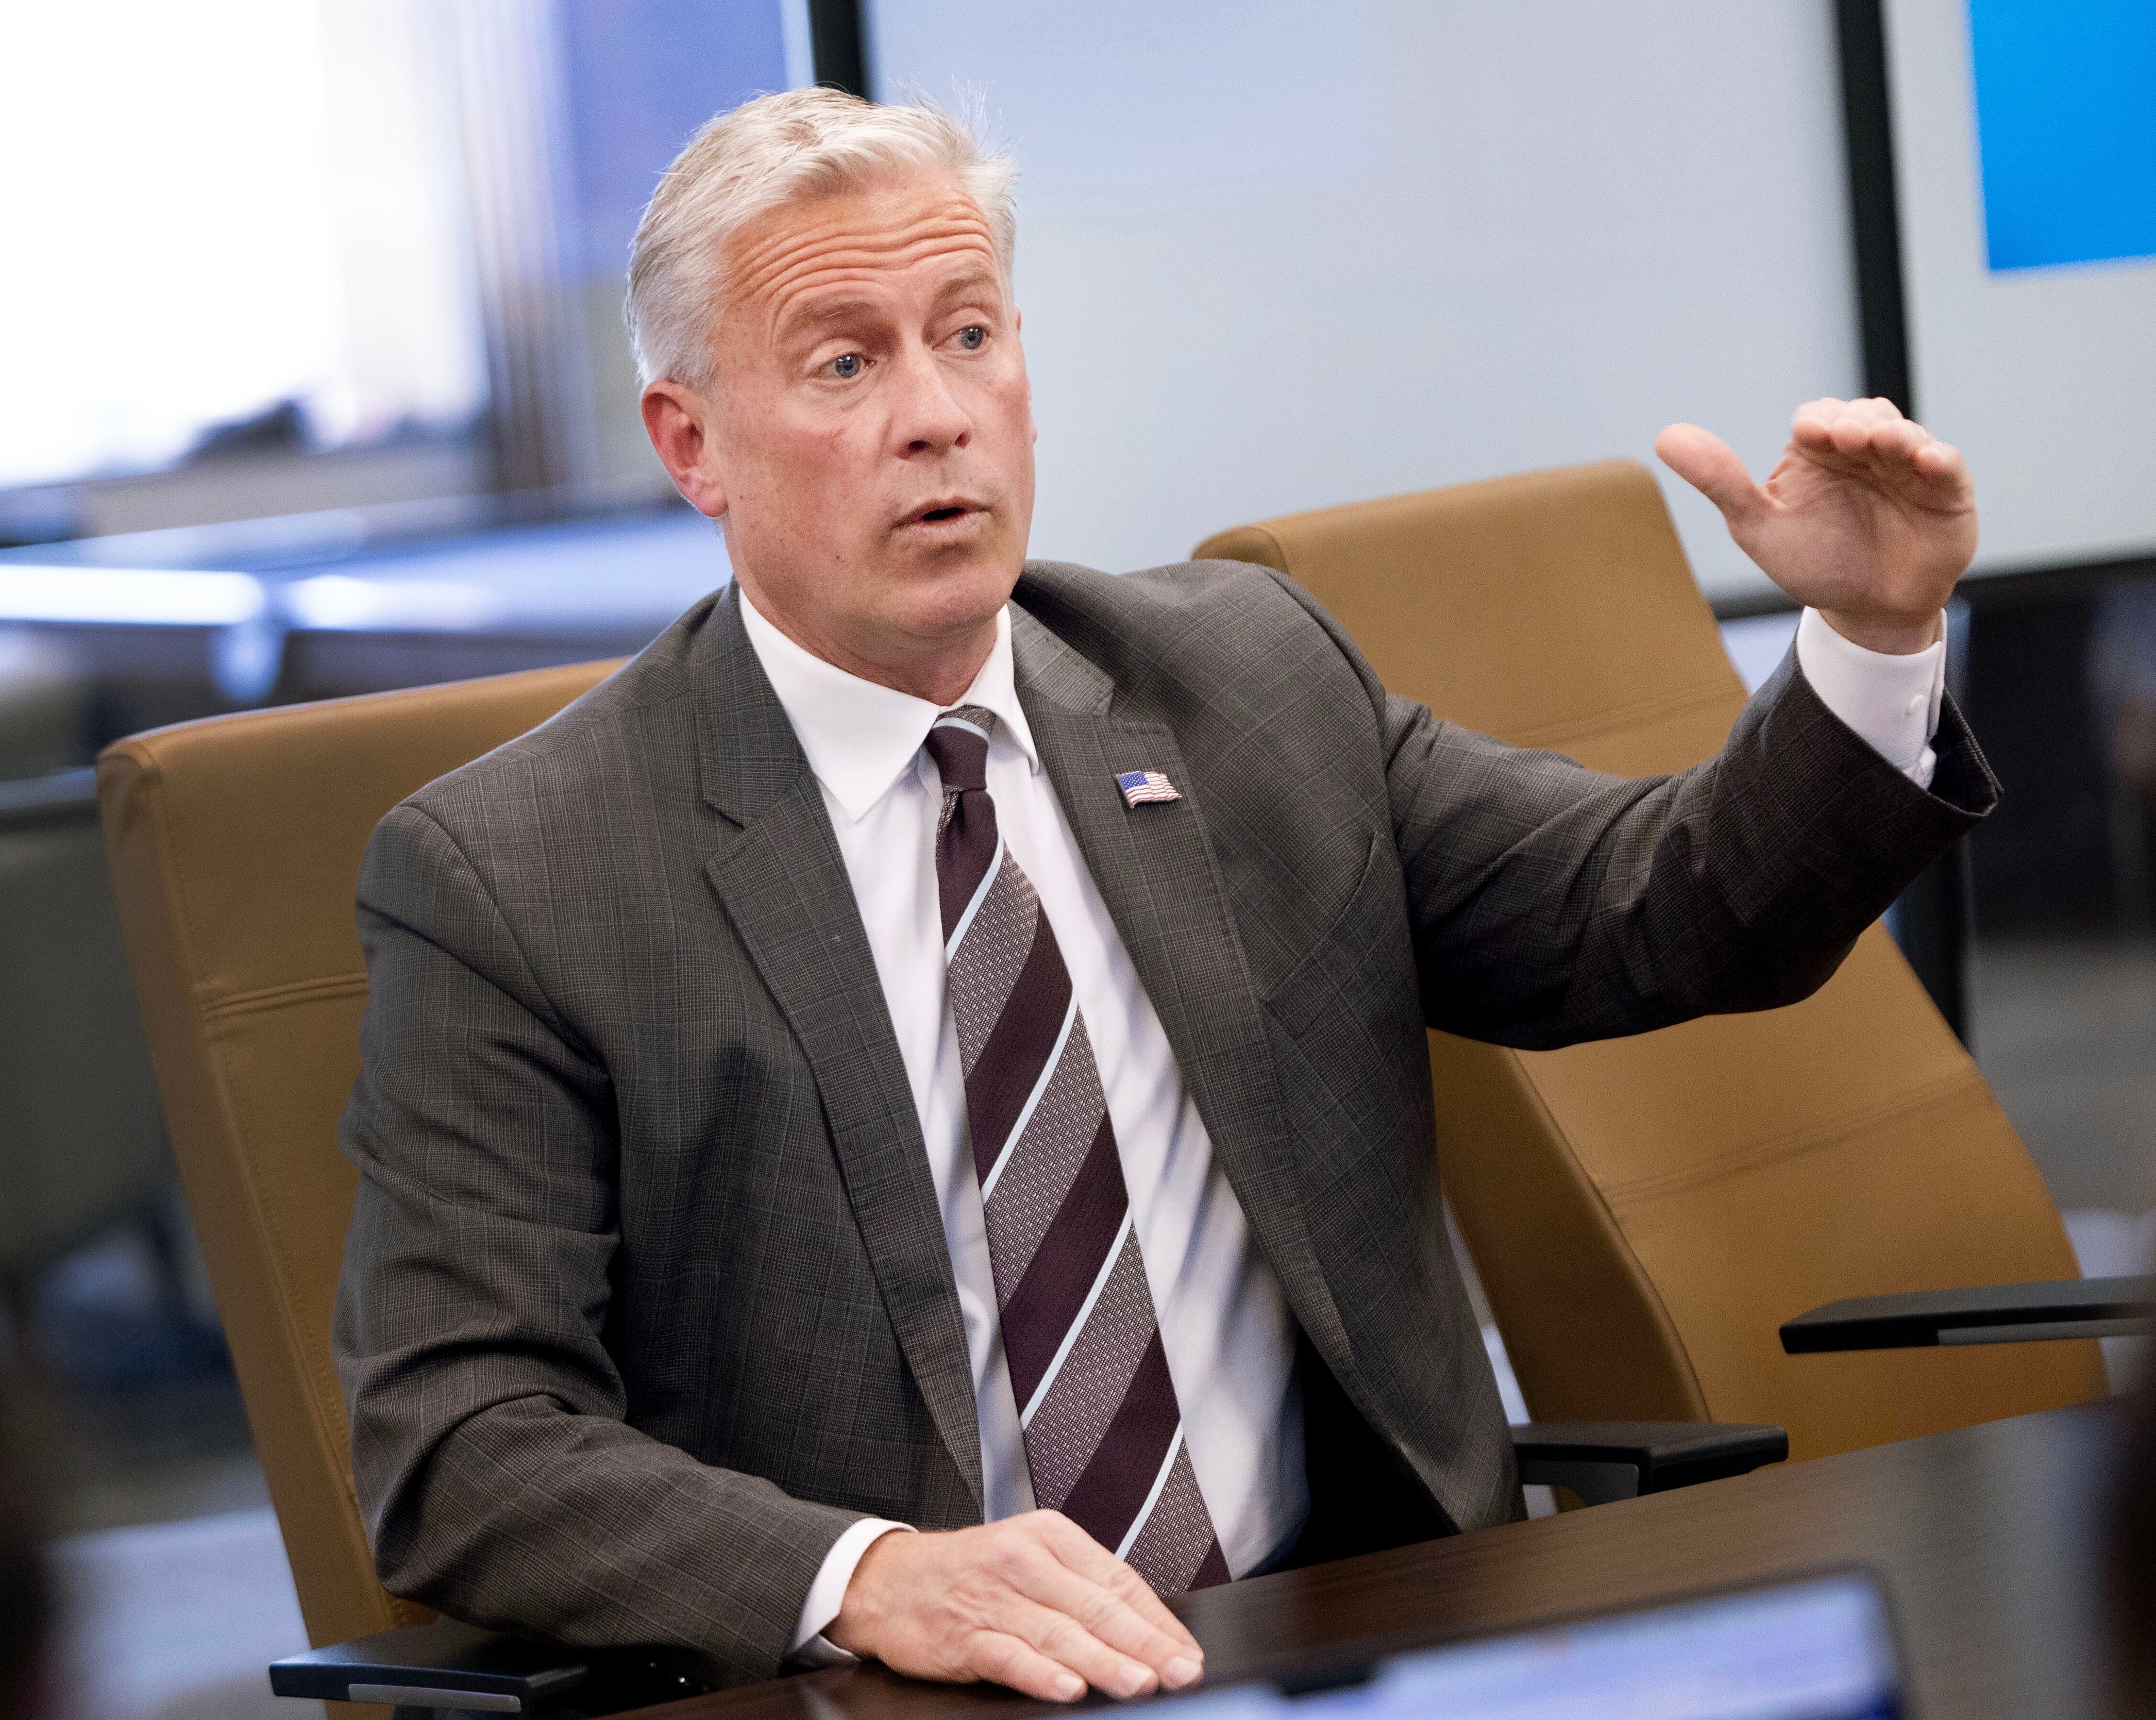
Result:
x=900 y=1123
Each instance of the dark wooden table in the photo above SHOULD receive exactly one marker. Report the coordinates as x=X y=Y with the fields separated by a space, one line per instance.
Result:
x=1988 y=1541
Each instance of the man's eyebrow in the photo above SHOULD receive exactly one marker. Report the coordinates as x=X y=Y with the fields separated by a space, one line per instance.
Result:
x=827 y=313
x=819 y=313
x=967 y=285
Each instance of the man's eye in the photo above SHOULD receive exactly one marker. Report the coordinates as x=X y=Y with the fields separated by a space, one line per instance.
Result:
x=847 y=366
x=972 y=339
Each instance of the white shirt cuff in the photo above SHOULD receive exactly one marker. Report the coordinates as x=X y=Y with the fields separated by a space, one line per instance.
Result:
x=828 y=1594
x=1892 y=701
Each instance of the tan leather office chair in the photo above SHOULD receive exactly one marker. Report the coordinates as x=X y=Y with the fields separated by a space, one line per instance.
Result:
x=1645 y=1212
x=235 y=846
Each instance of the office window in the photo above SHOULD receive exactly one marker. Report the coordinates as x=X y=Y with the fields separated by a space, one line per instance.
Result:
x=639 y=79
x=229 y=221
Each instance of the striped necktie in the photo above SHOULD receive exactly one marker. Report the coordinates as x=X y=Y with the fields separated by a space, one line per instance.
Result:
x=1102 y=1430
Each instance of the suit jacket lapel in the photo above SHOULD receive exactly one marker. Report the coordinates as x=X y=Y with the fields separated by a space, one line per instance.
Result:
x=1154 y=866
x=784 y=884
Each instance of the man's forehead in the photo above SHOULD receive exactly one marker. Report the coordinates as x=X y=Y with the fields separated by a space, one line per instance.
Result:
x=882 y=229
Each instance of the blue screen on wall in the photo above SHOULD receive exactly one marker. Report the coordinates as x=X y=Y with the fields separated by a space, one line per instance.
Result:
x=2066 y=106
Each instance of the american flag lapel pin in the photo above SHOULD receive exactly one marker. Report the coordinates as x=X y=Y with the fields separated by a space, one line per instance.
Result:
x=1139 y=786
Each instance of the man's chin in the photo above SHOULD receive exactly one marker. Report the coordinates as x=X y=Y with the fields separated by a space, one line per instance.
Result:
x=948 y=596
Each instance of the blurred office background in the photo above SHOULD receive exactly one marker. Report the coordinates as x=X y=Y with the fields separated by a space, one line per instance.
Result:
x=312 y=382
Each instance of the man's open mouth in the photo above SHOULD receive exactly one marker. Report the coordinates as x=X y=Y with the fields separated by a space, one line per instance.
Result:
x=935 y=513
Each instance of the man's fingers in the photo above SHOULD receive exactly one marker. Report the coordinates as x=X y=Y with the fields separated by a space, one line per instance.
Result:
x=1119 y=1619
x=1062 y=1639
x=1004 y=1659
x=1710 y=466
x=1902 y=437
x=1853 y=426
x=1910 y=447
x=1940 y=459
x=1816 y=419
x=1133 y=1591
x=1828 y=422
x=1872 y=437
x=1812 y=427
x=1081 y=1553
x=1886 y=448
x=1900 y=454
x=1944 y=475
x=1869 y=428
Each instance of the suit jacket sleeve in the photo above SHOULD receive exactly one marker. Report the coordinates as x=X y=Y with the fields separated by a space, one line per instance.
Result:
x=500 y=1480
x=1552 y=904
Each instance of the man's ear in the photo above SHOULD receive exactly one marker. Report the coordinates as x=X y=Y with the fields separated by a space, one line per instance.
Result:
x=678 y=421
x=1018 y=327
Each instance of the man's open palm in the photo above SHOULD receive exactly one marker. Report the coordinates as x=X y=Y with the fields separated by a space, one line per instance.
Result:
x=1868 y=518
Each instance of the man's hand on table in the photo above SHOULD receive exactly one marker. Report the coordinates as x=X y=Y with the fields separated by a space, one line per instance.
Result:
x=1869 y=518
x=1033 y=1602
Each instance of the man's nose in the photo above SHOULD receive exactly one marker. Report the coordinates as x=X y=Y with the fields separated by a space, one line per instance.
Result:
x=929 y=418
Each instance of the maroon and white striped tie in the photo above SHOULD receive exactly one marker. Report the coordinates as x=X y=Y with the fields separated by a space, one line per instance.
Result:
x=1103 y=1432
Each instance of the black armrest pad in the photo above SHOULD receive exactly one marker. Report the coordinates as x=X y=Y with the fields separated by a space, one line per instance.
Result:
x=446 y=1657
x=1667 y=1454
x=1925 y=1317
x=66 y=797
x=442 y=1656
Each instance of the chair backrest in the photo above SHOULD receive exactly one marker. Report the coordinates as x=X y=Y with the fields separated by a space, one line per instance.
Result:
x=1645 y=1212
x=235 y=846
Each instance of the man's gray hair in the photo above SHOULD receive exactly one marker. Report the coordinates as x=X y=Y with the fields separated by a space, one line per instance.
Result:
x=792 y=147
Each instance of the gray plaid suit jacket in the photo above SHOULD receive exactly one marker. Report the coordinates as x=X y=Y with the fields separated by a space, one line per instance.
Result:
x=646 y=1297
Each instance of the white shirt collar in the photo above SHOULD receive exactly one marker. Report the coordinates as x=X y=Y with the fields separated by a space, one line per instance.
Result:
x=861 y=737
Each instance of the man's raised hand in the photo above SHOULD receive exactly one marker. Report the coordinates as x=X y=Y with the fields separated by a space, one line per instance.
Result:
x=1868 y=518
x=1033 y=1602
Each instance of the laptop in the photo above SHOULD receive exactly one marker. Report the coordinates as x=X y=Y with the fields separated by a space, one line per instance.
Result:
x=1817 y=1648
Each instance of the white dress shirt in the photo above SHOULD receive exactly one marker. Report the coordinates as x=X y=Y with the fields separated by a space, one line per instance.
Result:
x=1892 y=701
x=1224 y=1321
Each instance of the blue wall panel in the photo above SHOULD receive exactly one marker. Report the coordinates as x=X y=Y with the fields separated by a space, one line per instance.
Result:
x=2065 y=102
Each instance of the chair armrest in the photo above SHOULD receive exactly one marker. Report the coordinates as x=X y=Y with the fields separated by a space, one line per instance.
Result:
x=66 y=797
x=1992 y=1314
x=461 y=1668
x=1607 y=1461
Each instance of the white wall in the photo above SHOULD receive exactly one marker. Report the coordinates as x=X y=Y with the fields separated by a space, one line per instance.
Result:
x=1280 y=255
